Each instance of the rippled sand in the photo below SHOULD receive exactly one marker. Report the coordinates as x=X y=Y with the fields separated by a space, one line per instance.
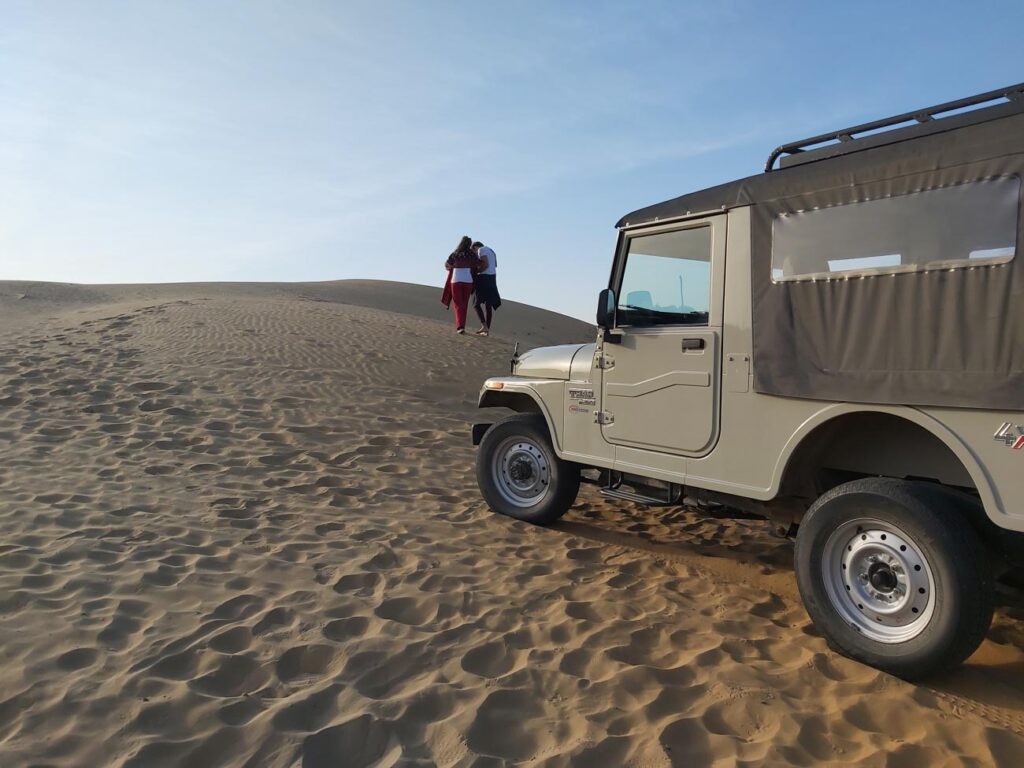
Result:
x=239 y=526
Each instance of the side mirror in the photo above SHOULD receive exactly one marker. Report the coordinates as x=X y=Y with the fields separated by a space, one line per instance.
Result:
x=606 y=309
x=606 y=317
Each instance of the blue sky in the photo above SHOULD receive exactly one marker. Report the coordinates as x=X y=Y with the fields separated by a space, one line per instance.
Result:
x=155 y=141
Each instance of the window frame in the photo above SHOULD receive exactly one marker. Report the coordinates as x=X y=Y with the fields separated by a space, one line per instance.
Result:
x=716 y=281
x=866 y=272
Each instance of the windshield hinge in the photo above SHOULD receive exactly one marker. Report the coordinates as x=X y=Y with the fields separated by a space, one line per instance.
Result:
x=604 y=417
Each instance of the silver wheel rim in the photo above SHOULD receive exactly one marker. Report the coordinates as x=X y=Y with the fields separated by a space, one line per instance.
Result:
x=521 y=472
x=878 y=580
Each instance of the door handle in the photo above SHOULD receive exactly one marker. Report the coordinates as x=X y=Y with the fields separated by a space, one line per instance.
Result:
x=693 y=344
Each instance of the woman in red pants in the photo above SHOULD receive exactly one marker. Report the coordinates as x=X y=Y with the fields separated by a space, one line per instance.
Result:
x=461 y=266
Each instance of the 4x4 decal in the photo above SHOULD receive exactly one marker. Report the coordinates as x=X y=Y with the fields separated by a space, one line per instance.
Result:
x=1010 y=434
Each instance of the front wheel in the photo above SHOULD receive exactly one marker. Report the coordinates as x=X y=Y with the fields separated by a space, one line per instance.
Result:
x=893 y=575
x=519 y=473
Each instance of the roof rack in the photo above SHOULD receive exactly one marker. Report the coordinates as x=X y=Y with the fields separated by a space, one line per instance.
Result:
x=1005 y=101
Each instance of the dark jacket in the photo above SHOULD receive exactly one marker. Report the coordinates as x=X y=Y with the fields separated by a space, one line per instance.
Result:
x=461 y=259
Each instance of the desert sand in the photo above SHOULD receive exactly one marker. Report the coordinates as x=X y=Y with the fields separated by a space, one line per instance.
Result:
x=239 y=526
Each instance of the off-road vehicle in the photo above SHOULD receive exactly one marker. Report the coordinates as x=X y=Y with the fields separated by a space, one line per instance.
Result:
x=836 y=344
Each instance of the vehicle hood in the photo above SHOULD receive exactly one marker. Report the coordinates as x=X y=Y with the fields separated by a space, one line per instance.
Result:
x=548 y=362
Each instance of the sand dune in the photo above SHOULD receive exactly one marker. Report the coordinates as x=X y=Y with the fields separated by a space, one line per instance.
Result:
x=240 y=527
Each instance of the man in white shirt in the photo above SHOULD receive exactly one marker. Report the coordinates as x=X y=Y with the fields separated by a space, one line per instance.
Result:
x=487 y=298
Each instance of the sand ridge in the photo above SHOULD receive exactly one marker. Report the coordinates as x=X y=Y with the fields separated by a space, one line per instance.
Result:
x=240 y=527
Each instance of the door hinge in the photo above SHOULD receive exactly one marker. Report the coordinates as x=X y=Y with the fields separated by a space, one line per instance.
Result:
x=604 y=418
x=604 y=362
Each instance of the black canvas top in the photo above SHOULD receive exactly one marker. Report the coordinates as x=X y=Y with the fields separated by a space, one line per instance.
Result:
x=945 y=337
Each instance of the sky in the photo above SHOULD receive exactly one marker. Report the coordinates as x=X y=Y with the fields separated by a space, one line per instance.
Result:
x=147 y=141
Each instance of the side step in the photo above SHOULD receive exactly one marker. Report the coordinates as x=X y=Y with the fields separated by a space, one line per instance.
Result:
x=613 y=490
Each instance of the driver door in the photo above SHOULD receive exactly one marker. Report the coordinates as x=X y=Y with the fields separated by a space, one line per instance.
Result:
x=661 y=383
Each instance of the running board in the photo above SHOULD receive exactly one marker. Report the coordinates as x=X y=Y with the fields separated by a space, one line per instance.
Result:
x=673 y=496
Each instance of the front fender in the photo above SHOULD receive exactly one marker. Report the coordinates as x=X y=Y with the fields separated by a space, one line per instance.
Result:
x=543 y=396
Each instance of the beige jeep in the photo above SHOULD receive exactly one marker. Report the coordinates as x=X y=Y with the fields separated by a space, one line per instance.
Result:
x=836 y=344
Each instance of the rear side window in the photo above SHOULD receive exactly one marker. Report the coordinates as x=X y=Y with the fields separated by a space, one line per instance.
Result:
x=947 y=228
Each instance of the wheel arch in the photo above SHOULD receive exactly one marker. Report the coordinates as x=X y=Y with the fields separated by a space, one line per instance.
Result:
x=522 y=398
x=835 y=433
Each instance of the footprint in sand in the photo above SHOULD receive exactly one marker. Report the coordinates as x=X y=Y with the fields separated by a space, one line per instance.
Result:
x=79 y=658
x=397 y=470
x=51 y=498
x=116 y=428
x=490 y=660
x=406 y=610
x=342 y=630
x=359 y=583
x=176 y=666
x=233 y=676
x=275 y=620
x=328 y=528
x=238 y=608
x=155 y=404
x=510 y=723
x=308 y=714
x=163 y=577
x=118 y=634
x=278 y=459
x=234 y=640
x=149 y=386
x=240 y=712
x=363 y=740
x=306 y=662
x=232 y=508
x=369 y=450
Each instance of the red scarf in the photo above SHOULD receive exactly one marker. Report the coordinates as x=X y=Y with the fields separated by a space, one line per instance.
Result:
x=446 y=294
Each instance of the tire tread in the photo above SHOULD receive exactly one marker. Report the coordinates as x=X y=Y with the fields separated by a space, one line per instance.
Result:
x=937 y=518
x=565 y=474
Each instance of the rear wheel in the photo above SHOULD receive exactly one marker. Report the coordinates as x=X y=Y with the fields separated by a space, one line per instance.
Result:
x=893 y=575
x=519 y=473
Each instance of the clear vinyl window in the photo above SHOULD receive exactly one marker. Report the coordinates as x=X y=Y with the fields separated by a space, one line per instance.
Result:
x=950 y=227
x=667 y=279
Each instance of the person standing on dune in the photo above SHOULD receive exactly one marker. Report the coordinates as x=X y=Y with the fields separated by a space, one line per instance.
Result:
x=461 y=266
x=487 y=298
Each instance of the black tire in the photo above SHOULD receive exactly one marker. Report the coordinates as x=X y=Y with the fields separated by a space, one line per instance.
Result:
x=954 y=592
x=523 y=439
